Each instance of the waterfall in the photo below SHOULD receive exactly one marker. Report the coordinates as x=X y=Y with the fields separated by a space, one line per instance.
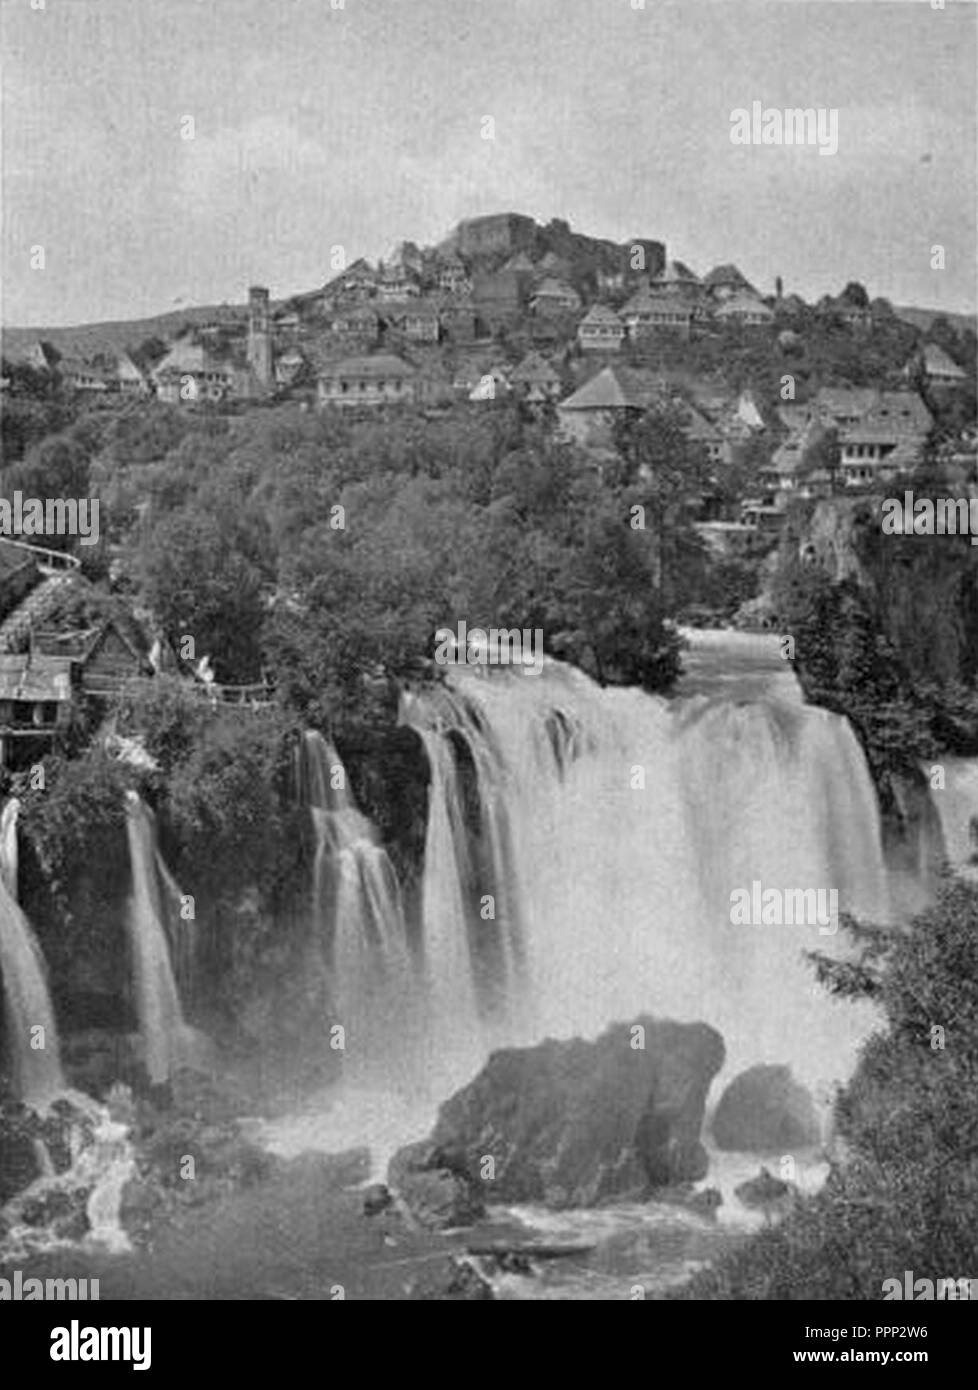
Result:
x=629 y=821
x=956 y=804
x=167 y=1041
x=358 y=914
x=27 y=1003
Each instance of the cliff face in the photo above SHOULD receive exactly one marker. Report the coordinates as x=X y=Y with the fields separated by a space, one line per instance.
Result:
x=922 y=590
x=835 y=538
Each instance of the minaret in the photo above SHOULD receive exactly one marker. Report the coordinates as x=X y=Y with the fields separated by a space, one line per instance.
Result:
x=259 y=335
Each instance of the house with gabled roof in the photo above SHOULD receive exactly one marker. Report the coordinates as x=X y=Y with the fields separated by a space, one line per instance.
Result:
x=357 y=320
x=880 y=433
x=396 y=283
x=83 y=376
x=935 y=366
x=103 y=656
x=536 y=379
x=131 y=381
x=590 y=413
x=36 y=694
x=367 y=381
x=191 y=372
x=553 y=296
x=744 y=309
x=648 y=313
x=357 y=281
x=600 y=330
x=677 y=278
x=724 y=281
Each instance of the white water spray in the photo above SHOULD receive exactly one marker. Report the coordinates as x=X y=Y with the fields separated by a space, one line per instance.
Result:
x=167 y=1041
x=31 y=1030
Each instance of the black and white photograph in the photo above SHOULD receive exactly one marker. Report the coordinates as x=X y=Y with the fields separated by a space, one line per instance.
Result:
x=488 y=666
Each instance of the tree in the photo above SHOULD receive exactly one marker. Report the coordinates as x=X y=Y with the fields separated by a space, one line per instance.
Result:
x=202 y=580
x=855 y=294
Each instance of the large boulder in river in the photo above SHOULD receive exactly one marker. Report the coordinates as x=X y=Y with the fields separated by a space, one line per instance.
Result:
x=765 y=1110
x=572 y=1123
x=436 y=1189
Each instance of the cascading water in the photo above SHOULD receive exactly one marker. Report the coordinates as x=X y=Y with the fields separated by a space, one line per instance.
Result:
x=357 y=909
x=956 y=804
x=630 y=821
x=360 y=942
x=27 y=1003
x=582 y=846
x=167 y=1041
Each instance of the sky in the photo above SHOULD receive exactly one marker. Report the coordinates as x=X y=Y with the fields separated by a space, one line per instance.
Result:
x=356 y=123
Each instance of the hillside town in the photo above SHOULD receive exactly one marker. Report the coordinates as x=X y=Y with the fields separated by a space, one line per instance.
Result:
x=584 y=331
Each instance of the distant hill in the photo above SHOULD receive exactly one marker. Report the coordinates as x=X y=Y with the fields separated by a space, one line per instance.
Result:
x=923 y=318
x=86 y=339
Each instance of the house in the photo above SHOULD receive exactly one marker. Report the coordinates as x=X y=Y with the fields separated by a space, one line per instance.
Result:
x=553 y=296
x=41 y=356
x=889 y=439
x=600 y=330
x=744 y=309
x=396 y=283
x=880 y=434
x=935 y=366
x=421 y=323
x=81 y=376
x=358 y=281
x=358 y=321
x=672 y=313
x=35 y=703
x=854 y=316
x=367 y=381
x=536 y=379
x=286 y=322
x=453 y=278
x=103 y=657
x=676 y=279
x=131 y=381
x=589 y=414
x=725 y=281
x=787 y=474
x=192 y=372
x=637 y=314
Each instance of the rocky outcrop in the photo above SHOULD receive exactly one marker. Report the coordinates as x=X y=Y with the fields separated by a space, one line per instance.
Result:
x=32 y=1144
x=435 y=1188
x=765 y=1110
x=574 y=1123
